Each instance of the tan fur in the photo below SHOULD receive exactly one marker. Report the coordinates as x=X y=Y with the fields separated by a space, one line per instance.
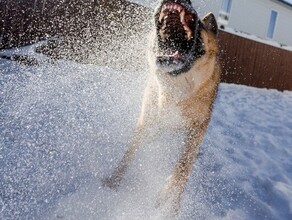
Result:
x=193 y=93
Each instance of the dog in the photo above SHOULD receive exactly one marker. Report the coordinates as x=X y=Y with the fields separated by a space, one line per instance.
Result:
x=185 y=73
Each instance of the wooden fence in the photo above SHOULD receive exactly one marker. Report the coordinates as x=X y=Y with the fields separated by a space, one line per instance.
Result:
x=243 y=61
x=252 y=63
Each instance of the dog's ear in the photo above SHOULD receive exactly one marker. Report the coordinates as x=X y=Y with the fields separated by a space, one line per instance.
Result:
x=210 y=23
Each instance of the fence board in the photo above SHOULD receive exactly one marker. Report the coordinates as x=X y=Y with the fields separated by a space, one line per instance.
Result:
x=252 y=63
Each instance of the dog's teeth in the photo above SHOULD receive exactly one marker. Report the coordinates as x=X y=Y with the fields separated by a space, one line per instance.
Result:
x=189 y=35
x=182 y=16
x=161 y=16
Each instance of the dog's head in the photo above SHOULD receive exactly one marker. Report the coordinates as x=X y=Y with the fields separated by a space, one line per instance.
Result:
x=181 y=36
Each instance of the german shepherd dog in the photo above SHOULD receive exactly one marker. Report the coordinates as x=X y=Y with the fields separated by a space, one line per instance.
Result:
x=186 y=74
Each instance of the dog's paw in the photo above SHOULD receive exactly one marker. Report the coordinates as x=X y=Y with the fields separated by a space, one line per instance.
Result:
x=170 y=195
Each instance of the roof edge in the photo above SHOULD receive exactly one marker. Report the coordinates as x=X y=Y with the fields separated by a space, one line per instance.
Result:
x=285 y=2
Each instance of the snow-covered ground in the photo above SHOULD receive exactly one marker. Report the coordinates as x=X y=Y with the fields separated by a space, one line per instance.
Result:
x=64 y=127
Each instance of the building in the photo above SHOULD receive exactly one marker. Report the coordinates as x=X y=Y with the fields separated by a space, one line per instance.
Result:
x=267 y=19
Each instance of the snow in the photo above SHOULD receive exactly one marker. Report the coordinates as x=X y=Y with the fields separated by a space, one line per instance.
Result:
x=65 y=126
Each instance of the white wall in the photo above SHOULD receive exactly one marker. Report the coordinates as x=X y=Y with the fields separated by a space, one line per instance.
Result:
x=253 y=17
x=283 y=31
x=205 y=6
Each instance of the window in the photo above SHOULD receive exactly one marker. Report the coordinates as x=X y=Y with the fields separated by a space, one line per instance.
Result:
x=272 y=24
x=226 y=6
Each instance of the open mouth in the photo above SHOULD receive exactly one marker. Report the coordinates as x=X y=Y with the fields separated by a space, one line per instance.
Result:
x=176 y=26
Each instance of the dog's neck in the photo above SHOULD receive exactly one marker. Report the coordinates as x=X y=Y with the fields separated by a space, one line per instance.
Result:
x=175 y=89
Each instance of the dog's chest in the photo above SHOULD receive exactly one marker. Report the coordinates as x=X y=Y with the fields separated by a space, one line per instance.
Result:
x=170 y=118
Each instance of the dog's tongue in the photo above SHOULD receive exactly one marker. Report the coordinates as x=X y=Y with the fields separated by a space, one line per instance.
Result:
x=176 y=55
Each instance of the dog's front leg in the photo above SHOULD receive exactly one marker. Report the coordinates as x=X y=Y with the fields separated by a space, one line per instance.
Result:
x=148 y=115
x=115 y=179
x=176 y=182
